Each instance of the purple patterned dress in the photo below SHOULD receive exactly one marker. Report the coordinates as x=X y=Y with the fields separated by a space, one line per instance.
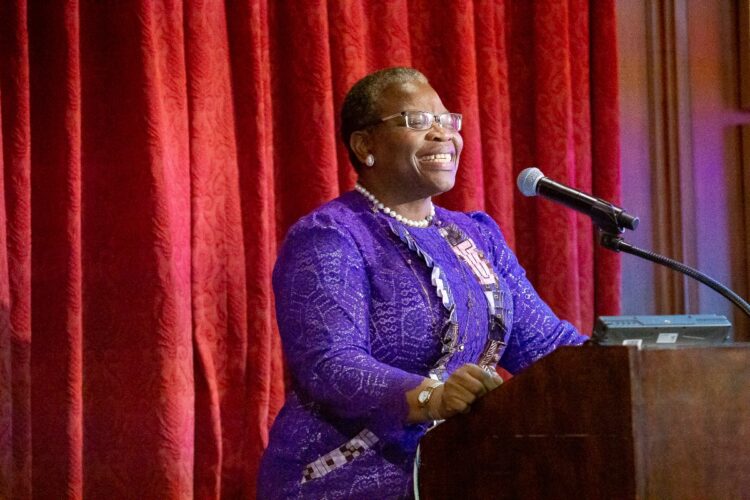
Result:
x=367 y=307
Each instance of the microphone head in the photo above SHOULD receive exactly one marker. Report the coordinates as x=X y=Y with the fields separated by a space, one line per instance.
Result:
x=528 y=179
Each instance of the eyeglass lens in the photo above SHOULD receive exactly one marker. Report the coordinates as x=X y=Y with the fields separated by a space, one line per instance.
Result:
x=422 y=120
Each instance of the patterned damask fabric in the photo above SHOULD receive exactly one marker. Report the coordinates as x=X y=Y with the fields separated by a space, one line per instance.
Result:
x=361 y=324
x=156 y=152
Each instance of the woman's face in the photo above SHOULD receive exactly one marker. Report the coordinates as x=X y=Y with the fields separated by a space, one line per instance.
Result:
x=414 y=163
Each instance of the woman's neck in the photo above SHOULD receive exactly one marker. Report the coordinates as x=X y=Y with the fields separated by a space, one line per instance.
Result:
x=406 y=205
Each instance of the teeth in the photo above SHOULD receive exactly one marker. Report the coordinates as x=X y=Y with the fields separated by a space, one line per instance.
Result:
x=441 y=157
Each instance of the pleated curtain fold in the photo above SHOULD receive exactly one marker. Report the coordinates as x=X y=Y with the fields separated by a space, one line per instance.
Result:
x=153 y=155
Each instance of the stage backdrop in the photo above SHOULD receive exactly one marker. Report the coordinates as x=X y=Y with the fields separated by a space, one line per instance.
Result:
x=155 y=152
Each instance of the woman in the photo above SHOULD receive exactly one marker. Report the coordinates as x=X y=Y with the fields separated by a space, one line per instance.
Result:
x=393 y=312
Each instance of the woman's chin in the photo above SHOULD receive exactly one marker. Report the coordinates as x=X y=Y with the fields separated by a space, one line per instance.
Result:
x=443 y=181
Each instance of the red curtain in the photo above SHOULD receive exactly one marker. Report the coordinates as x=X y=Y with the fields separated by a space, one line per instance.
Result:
x=155 y=152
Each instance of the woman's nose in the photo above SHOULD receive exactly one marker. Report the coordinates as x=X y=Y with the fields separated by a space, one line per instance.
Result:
x=438 y=133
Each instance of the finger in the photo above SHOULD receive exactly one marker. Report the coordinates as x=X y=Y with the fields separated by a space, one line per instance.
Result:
x=473 y=370
x=456 y=390
x=452 y=405
x=488 y=376
x=469 y=379
x=456 y=398
x=491 y=379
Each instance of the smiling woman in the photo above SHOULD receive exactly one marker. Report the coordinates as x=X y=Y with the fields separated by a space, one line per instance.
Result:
x=417 y=145
x=393 y=313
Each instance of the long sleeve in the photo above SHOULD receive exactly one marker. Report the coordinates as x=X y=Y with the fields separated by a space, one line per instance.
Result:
x=322 y=296
x=536 y=330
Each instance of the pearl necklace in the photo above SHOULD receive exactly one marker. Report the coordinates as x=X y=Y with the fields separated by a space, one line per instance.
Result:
x=409 y=222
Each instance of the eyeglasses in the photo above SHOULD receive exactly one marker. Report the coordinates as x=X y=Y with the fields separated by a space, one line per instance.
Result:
x=423 y=120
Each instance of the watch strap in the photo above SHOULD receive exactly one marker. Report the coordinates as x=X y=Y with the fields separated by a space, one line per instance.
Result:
x=426 y=394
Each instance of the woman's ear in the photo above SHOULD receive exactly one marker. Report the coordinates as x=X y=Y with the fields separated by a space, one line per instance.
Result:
x=359 y=141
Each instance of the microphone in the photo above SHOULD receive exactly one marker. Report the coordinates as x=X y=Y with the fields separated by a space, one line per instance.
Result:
x=606 y=216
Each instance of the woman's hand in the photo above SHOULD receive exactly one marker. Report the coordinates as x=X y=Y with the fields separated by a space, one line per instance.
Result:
x=462 y=388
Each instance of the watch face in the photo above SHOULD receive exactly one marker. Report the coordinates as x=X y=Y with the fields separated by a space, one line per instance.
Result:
x=423 y=396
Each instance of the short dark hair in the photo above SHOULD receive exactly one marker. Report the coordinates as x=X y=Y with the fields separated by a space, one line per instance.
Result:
x=360 y=107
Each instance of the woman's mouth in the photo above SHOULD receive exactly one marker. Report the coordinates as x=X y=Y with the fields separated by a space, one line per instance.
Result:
x=437 y=159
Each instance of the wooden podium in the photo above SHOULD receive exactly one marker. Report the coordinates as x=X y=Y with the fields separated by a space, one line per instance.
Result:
x=602 y=422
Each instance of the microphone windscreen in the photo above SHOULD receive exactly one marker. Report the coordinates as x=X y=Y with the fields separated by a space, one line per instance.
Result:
x=528 y=179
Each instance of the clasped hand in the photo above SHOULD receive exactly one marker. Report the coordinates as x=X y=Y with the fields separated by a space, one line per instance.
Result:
x=464 y=386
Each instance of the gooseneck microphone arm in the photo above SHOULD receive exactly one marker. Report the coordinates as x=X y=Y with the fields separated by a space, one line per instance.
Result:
x=616 y=243
x=611 y=221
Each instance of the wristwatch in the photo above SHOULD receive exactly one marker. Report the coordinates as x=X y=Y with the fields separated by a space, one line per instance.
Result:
x=424 y=397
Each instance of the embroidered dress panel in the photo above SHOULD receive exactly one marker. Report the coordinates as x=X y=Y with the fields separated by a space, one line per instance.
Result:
x=341 y=456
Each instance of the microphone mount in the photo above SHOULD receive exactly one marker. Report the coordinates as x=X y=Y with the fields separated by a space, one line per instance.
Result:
x=616 y=243
x=611 y=221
